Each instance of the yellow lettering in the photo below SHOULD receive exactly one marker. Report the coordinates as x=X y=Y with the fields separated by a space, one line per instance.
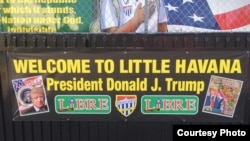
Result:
x=20 y=66
x=74 y=84
x=236 y=67
x=50 y=65
x=180 y=66
x=208 y=66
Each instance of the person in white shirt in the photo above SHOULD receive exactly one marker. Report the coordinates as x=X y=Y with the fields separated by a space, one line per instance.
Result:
x=133 y=16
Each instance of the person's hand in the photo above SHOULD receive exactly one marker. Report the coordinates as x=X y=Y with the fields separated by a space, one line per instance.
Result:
x=151 y=8
x=141 y=11
x=208 y=108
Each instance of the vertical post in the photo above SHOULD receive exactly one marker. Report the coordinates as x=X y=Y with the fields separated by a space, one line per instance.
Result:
x=146 y=16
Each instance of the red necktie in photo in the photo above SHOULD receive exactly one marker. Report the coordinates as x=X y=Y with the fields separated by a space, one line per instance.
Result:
x=212 y=102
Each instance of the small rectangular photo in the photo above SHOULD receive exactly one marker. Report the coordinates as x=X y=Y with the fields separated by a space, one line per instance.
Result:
x=30 y=95
x=222 y=96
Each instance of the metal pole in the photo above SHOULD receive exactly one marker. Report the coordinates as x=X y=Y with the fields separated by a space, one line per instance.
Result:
x=146 y=16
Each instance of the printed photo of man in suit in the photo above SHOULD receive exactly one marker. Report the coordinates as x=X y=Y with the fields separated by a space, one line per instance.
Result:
x=38 y=99
x=214 y=101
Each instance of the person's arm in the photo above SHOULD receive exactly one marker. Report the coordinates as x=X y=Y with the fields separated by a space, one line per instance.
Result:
x=162 y=27
x=135 y=22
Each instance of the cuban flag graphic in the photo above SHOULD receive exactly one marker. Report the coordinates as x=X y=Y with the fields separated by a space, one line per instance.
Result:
x=208 y=15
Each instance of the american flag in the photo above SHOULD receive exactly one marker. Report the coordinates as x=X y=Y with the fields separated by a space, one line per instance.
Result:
x=208 y=15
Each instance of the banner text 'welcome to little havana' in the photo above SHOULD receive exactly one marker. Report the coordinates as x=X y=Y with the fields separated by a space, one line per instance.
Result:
x=126 y=66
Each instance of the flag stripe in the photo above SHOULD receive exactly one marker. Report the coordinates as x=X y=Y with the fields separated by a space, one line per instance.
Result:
x=234 y=19
x=183 y=28
x=223 y=6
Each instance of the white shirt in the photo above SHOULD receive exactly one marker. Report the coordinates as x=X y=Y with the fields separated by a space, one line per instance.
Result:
x=127 y=9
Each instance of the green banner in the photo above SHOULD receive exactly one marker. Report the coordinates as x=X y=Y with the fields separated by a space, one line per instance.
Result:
x=45 y=15
x=169 y=104
x=83 y=104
